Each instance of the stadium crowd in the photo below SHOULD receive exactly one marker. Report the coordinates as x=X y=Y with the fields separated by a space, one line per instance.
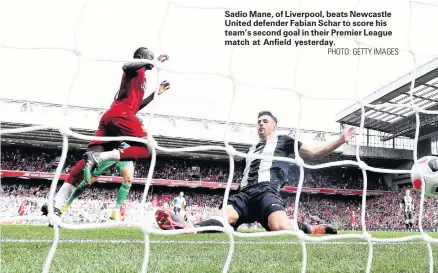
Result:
x=173 y=168
x=94 y=205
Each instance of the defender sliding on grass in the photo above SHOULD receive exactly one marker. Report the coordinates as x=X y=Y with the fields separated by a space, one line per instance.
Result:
x=259 y=197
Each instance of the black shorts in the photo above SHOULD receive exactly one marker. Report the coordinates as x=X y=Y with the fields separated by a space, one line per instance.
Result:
x=408 y=215
x=256 y=203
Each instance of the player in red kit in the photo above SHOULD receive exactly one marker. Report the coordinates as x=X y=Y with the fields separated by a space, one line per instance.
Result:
x=353 y=217
x=121 y=120
x=123 y=212
x=22 y=208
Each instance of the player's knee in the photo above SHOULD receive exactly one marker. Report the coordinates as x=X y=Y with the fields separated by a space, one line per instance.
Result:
x=91 y=182
x=128 y=179
x=280 y=226
x=96 y=148
x=128 y=174
x=278 y=221
x=232 y=214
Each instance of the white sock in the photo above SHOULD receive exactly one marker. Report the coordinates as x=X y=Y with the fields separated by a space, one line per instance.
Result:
x=111 y=155
x=63 y=193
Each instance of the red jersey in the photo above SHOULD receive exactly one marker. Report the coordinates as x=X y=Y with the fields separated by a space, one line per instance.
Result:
x=22 y=207
x=123 y=209
x=131 y=93
x=353 y=213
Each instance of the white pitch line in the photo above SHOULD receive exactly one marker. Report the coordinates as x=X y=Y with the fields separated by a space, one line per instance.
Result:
x=101 y=241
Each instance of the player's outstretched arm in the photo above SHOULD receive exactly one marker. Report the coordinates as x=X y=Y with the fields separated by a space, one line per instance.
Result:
x=131 y=68
x=165 y=85
x=315 y=152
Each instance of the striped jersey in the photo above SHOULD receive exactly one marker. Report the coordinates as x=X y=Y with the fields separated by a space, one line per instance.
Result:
x=409 y=203
x=268 y=170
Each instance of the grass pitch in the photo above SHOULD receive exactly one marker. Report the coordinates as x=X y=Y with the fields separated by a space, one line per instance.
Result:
x=24 y=249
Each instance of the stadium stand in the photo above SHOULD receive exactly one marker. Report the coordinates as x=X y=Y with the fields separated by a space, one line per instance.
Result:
x=383 y=211
x=316 y=206
x=400 y=122
x=327 y=192
x=176 y=168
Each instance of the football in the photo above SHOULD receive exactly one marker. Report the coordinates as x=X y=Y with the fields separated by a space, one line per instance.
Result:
x=428 y=168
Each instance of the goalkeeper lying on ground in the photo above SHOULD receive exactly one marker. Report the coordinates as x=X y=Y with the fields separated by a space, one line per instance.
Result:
x=126 y=170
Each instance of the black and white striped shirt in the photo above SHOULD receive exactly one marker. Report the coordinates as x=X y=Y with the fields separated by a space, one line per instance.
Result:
x=268 y=170
x=409 y=203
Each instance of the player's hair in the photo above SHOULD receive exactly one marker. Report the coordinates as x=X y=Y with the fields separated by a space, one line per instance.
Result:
x=267 y=113
x=143 y=53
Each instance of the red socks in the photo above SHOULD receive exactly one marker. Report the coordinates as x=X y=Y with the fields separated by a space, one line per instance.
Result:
x=76 y=174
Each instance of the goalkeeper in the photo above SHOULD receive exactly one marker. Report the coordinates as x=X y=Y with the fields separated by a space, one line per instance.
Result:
x=126 y=170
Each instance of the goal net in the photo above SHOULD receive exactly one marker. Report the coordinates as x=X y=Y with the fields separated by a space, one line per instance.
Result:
x=293 y=71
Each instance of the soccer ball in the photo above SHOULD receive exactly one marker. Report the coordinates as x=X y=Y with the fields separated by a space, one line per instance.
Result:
x=428 y=168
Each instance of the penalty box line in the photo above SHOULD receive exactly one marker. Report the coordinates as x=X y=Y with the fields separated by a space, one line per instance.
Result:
x=218 y=242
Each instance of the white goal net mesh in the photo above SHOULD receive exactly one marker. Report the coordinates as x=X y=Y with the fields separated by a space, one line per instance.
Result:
x=232 y=152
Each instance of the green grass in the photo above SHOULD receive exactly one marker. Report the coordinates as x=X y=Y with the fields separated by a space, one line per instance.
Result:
x=174 y=254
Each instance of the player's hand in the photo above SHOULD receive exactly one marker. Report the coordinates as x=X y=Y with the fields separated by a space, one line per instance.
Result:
x=163 y=57
x=348 y=134
x=165 y=85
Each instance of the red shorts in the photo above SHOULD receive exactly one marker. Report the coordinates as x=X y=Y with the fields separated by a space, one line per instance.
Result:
x=118 y=123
